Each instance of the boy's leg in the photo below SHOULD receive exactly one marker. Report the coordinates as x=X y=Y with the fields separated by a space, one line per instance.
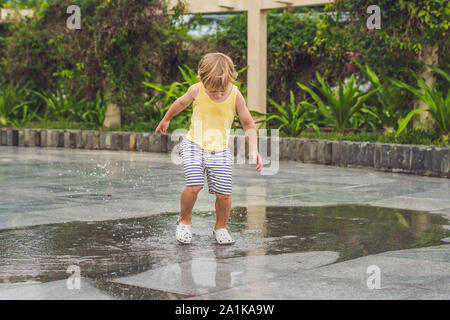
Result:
x=219 y=174
x=194 y=174
x=188 y=198
x=223 y=208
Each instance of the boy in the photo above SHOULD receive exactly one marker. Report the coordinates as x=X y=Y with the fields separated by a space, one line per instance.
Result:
x=205 y=149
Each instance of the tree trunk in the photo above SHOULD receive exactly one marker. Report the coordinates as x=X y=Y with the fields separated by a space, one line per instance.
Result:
x=428 y=56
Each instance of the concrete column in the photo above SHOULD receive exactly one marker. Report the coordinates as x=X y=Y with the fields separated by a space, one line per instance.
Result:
x=112 y=116
x=257 y=58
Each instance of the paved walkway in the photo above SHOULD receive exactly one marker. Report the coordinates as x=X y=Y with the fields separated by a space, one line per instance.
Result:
x=62 y=207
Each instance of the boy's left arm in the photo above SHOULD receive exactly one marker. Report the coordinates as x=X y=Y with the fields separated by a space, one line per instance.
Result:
x=250 y=129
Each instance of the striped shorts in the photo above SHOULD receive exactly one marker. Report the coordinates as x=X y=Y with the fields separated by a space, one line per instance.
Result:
x=216 y=165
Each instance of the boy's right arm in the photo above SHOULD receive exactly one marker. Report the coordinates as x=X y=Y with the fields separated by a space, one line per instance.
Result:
x=179 y=105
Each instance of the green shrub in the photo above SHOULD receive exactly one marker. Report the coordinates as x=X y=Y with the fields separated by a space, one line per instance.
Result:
x=291 y=119
x=61 y=105
x=439 y=107
x=338 y=107
x=413 y=136
x=389 y=98
x=117 y=43
x=11 y=102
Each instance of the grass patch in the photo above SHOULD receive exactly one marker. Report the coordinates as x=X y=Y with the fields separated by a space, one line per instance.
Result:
x=138 y=127
x=61 y=124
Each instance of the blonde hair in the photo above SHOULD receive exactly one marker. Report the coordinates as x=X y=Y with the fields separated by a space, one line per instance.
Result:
x=216 y=70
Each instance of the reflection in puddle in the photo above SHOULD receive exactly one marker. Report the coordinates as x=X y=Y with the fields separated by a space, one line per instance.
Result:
x=107 y=249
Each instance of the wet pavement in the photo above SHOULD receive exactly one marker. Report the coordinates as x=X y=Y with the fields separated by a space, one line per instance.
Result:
x=307 y=232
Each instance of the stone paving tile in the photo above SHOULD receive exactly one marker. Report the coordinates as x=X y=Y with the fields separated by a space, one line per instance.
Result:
x=302 y=286
x=55 y=290
x=442 y=193
x=14 y=220
x=407 y=187
x=410 y=203
x=96 y=212
x=338 y=197
x=194 y=277
x=435 y=253
x=438 y=289
x=205 y=275
x=398 y=272
x=29 y=205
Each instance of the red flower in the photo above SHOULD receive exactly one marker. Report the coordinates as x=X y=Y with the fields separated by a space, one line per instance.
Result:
x=350 y=67
x=356 y=53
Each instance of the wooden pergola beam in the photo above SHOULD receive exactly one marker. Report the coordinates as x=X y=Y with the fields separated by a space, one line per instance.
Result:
x=224 y=6
x=14 y=15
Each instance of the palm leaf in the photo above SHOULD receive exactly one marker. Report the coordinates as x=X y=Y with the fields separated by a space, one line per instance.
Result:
x=403 y=122
x=279 y=108
x=408 y=87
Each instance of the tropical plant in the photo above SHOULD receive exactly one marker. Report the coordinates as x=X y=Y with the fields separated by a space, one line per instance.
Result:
x=63 y=104
x=367 y=117
x=10 y=102
x=389 y=97
x=158 y=105
x=403 y=122
x=96 y=110
x=152 y=108
x=439 y=107
x=113 y=53
x=291 y=119
x=338 y=107
x=25 y=118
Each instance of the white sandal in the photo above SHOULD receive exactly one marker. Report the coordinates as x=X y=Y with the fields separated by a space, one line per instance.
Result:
x=184 y=233
x=222 y=236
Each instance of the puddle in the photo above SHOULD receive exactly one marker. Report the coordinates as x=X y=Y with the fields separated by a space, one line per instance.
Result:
x=106 y=249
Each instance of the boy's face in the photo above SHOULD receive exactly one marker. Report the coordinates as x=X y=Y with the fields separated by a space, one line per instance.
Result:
x=216 y=94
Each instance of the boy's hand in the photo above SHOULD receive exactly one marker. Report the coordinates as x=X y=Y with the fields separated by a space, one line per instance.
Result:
x=162 y=126
x=258 y=160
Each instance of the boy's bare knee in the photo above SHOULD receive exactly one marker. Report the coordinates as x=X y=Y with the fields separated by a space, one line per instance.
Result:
x=221 y=196
x=194 y=189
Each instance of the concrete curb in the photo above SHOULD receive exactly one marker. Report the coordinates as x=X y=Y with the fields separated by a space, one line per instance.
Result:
x=412 y=159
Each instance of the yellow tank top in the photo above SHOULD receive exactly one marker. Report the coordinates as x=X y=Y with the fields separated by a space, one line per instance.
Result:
x=211 y=121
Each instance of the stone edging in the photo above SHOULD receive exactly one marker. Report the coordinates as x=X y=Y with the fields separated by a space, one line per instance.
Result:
x=414 y=159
